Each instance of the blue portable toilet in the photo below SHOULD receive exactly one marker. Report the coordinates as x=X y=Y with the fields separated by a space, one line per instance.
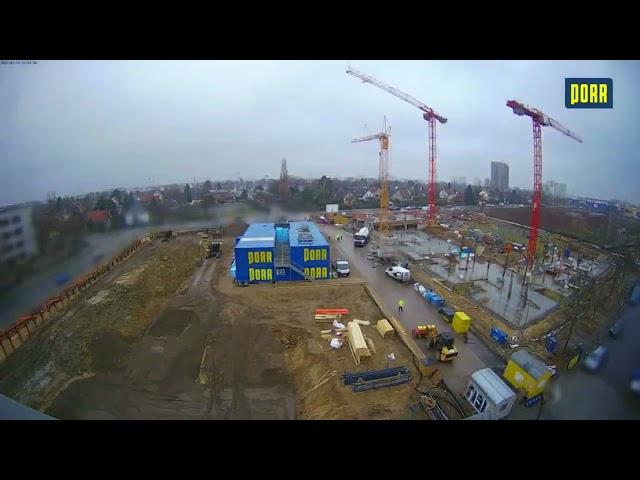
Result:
x=551 y=344
x=437 y=301
x=567 y=253
x=499 y=336
x=232 y=269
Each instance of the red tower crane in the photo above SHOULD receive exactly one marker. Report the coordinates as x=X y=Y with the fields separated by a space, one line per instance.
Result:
x=430 y=116
x=539 y=120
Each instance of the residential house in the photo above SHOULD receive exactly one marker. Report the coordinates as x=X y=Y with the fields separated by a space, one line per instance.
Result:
x=401 y=195
x=368 y=195
x=99 y=219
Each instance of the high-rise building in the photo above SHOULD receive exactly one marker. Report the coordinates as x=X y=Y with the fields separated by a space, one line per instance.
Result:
x=554 y=191
x=499 y=176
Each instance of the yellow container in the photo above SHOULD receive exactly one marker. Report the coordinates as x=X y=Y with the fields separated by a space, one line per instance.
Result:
x=461 y=322
x=528 y=372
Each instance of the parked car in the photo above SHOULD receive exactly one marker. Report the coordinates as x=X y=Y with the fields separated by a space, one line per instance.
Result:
x=616 y=329
x=635 y=382
x=595 y=359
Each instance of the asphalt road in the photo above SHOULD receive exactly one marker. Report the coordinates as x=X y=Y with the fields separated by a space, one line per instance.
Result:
x=605 y=394
x=472 y=356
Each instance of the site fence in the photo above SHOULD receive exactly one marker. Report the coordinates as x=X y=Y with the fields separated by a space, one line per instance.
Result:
x=25 y=327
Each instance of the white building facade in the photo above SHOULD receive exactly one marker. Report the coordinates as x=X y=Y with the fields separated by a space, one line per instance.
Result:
x=17 y=235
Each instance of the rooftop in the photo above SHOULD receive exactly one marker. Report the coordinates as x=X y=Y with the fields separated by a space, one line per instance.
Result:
x=318 y=238
x=263 y=235
x=258 y=235
x=530 y=364
x=492 y=385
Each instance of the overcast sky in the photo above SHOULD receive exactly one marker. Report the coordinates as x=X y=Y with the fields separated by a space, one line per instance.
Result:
x=72 y=127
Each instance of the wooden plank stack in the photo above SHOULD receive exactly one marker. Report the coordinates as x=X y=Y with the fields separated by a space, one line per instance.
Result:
x=357 y=342
x=385 y=329
x=327 y=317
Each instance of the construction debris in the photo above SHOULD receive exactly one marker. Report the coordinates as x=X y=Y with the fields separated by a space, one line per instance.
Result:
x=432 y=408
x=338 y=325
x=322 y=380
x=366 y=323
x=385 y=329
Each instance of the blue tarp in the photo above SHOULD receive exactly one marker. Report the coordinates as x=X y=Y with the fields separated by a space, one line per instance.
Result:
x=437 y=301
x=499 y=336
x=62 y=278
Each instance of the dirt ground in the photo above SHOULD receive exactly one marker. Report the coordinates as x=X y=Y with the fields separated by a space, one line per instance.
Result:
x=277 y=322
x=99 y=329
x=167 y=336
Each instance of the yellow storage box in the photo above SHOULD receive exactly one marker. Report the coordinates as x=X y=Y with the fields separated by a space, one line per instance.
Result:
x=526 y=371
x=461 y=322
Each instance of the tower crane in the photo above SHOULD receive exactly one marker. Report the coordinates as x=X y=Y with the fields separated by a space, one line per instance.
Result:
x=539 y=120
x=431 y=117
x=383 y=138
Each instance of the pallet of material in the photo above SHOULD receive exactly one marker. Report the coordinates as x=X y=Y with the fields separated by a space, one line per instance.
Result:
x=341 y=311
x=385 y=329
x=319 y=316
x=357 y=342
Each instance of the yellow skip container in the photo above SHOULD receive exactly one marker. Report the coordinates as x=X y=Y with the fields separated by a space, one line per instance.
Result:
x=461 y=322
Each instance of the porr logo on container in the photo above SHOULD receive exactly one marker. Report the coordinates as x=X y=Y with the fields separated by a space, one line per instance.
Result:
x=588 y=93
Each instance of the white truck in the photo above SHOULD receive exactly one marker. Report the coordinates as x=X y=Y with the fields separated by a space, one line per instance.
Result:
x=398 y=273
x=361 y=238
x=342 y=268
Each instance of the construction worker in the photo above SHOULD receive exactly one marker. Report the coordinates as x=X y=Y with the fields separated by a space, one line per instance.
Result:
x=400 y=305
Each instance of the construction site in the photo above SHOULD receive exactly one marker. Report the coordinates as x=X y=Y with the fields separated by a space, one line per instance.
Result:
x=169 y=334
x=426 y=314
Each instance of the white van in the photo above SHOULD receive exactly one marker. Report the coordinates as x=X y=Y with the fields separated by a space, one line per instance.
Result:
x=398 y=273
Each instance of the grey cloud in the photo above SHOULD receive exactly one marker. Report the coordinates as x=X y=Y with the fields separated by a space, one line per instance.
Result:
x=73 y=127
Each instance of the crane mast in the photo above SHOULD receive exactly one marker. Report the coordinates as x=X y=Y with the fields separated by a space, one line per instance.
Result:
x=431 y=117
x=539 y=120
x=383 y=177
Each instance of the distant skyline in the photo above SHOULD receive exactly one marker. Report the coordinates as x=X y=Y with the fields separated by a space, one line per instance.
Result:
x=79 y=126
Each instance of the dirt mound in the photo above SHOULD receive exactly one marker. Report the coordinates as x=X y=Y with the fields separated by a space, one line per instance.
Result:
x=64 y=348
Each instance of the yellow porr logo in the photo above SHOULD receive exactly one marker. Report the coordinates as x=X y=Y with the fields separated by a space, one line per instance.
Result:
x=588 y=93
